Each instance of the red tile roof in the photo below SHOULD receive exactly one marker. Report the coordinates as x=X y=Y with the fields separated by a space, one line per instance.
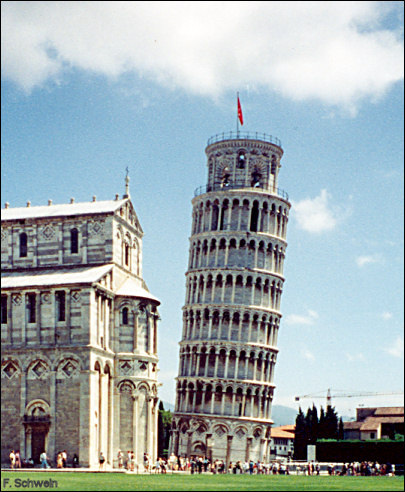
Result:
x=280 y=433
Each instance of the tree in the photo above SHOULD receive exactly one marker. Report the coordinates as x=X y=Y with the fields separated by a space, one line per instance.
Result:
x=331 y=423
x=322 y=424
x=164 y=426
x=301 y=436
x=341 y=433
x=312 y=425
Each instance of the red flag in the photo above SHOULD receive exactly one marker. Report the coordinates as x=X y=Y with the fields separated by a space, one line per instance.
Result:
x=240 y=115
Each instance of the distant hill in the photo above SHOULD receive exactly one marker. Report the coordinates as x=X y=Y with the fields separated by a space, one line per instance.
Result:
x=168 y=406
x=282 y=415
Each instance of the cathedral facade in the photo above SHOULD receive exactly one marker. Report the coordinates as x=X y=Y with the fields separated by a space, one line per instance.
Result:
x=79 y=333
x=231 y=315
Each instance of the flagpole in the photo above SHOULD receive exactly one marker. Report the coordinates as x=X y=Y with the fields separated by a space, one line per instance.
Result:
x=237 y=115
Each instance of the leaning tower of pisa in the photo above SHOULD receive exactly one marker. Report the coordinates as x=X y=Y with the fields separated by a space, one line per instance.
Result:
x=231 y=315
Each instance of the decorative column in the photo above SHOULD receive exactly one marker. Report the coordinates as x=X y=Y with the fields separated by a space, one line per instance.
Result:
x=135 y=420
x=23 y=404
x=248 y=446
x=228 y=451
x=52 y=411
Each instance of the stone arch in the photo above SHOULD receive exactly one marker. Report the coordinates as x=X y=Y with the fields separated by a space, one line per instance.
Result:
x=241 y=431
x=220 y=430
x=37 y=407
x=244 y=215
x=143 y=386
x=39 y=368
x=108 y=367
x=126 y=386
x=223 y=225
x=232 y=364
x=228 y=400
x=10 y=368
x=198 y=448
x=67 y=355
x=98 y=364
x=221 y=363
x=215 y=215
x=242 y=365
x=254 y=216
x=68 y=367
x=235 y=326
x=37 y=421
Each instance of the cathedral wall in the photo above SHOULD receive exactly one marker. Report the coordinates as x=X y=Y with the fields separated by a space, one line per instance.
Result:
x=67 y=416
x=70 y=395
x=45 y=328
x=10 y=412
x=125 y=418
x=99 y=240
x=49 y=242
x=38 y=389
x=142 y=429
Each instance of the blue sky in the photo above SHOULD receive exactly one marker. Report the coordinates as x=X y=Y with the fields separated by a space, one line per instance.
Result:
x=89 y=88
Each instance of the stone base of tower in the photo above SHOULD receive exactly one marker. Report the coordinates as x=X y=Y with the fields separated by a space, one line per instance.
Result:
x=226 y=439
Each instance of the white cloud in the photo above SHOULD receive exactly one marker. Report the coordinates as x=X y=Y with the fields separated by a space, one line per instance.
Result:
x=316 y=214
x=397 y=348
x=302 y=319
x=308 y=355
x=335 y=52
x=354 y=357
x=367 y=260
x=386 y=315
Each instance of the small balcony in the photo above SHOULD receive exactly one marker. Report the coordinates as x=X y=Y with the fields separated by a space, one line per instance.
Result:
x=233 y=186
x=263 y=137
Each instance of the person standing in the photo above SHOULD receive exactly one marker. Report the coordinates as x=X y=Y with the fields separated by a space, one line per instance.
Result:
x=101 y=461
x=12 y=460
x=44 y=460
x=146 y=461
x=59 y=461
x=120 y=458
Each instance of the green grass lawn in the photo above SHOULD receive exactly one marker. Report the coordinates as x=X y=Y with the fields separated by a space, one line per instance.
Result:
x=119 y=481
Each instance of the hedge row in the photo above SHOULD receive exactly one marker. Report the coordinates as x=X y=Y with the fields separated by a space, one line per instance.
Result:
x=347 y=451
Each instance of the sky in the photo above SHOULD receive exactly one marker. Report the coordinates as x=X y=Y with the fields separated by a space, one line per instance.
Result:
x=91 y=88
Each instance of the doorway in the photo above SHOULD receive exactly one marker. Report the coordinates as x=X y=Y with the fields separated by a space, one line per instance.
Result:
x=38 y=441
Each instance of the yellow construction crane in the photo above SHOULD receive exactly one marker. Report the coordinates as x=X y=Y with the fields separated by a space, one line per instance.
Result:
x=343 y=395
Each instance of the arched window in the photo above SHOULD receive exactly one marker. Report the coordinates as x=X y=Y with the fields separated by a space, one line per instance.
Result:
x=256 y=179
x=225 y=180
x=273 y=164
x=254 y=216
x=126 y=254
x=241 y=160
x=31 y=307
x=60 y=297
x=125 y=316
x=74 y=241
x=23 y=245
x=3 y=309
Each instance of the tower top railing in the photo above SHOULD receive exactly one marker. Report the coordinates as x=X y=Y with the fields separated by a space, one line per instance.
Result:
x=264 y=137
x=233 y=186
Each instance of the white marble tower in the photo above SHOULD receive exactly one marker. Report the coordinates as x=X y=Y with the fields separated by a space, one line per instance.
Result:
x=231 y=315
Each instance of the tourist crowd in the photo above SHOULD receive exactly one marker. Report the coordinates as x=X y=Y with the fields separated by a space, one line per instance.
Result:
x=197 y=464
